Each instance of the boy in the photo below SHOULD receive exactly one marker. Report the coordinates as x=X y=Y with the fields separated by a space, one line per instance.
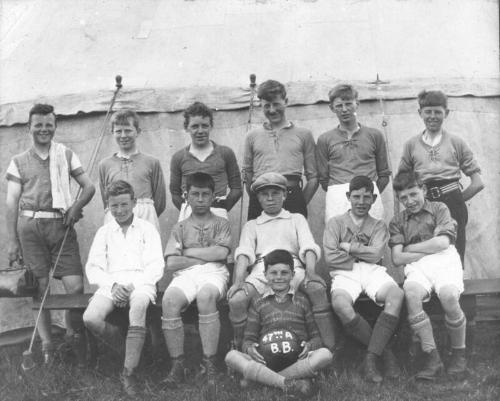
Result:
x=142 y=171
x=196 y=253
x=280 y=146
x=422 y=238
x=280 y=307
x=350 y=150
x=40 y=211
x=125 y=262
x=354 y=243
x=277 y=228
x=204 y=155
x=439 y=158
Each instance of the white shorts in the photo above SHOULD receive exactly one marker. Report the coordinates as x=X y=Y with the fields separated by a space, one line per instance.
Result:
x=336 y=202
x=257 y=277
x=436 y=271
x=192 y=279
x=149 y=290
x=185 y=212
x=144 y=209
x=364 y=277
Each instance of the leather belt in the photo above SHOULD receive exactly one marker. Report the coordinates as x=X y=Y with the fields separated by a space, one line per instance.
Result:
x=437 y=191
x=41 y=214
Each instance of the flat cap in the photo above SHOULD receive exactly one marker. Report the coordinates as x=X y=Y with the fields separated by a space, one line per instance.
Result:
x=269 y=180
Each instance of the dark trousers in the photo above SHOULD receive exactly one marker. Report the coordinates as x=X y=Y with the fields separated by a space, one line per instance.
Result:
x=294 y=203
x=458 y=210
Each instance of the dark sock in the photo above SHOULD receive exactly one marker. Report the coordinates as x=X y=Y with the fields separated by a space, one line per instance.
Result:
x=382 y=332
x=359 y=329
x=133 y=346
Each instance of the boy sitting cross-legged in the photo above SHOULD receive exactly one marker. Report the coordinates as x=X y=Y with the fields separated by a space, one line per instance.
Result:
x=125 y=261
x=280 y=307
x=354 y=243
x=422 y=238
x=196 y=252
x=277 y=228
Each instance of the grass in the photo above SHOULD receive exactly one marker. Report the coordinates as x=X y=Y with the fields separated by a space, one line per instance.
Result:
x=64 y=381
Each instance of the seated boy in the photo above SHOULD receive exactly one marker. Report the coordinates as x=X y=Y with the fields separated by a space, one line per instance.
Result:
x=125 y=262
x=353 y=243
x=422 y=238
x=280 y=307
x=277 y=228
x=196 y=253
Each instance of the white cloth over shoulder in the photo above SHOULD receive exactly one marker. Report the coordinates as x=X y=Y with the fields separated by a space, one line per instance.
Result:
x=59 y=177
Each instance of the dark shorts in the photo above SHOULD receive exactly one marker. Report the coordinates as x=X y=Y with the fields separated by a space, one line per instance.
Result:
x=40 y=242
x=294 y=203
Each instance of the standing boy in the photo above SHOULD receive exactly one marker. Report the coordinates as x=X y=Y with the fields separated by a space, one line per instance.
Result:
x=348 y=151
x=280 y=146
x=439 y=158
x=40 y=211
x=142 y=171
x=196 y=253
x=125 y=262
x=354 y=243
x=204 y=155
x=280 y=307
x=422 y=238
x=277 y=228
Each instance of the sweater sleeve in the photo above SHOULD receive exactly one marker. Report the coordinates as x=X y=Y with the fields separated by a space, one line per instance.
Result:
x=252 y=328
x=158 y=188
x=335 y=257
x=373 y=251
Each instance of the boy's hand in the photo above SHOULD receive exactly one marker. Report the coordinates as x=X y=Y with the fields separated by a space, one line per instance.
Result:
x=120 y=294
x=346 y=246
x=72 y=215
x=235 y=288
x=305 y=350
x=254 y=354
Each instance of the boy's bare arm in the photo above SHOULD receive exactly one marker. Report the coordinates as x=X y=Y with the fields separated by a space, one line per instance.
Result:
x=476 y=185
x=175 y=262
x=430 y=246
x=212 y=253
x=401 y=257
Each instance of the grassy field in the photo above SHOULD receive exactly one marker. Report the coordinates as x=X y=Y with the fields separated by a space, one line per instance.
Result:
x=63 y=381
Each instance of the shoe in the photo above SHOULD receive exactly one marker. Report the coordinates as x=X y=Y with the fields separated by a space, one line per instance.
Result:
x=129 y=382
x=298 y=387
x=432 y=366
x=391 y=367
x=177 y=373
x=371 y=371
x=209 y=370
x=80 y=349
x=458 y=363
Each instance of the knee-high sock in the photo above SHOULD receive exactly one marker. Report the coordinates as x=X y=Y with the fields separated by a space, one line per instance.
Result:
x=173 y=330
x=262 y=374
x=209 y=326
x=359 y=329
x=299 y=369
x=422 y=327
x=76 y=321
x=112 y=336
x=382 y=332
x=323 y=316
x=239 y=331
x=456 y=331
x=133 y=347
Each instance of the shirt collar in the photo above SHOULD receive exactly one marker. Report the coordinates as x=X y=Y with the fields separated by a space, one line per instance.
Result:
x=268 y=127
x=339 y=127
x=122 y=156
x=117 y=227
x=425 y=208
x=268 y=292
x=264 y=218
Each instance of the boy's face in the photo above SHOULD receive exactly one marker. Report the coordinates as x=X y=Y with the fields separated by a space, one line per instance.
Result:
x=433 y=117
x=42 y=128
x=279 y=276
x=200 y=199
x=121 y=207
x=199 y=128
x=412 y=198
x=125 y=135
x=274 y=109
x=271 y=200
x=361 y=201
x=345 y=109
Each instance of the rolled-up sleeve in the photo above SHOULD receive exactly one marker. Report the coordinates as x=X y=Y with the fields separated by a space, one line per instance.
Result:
x=396 y=233
x=374 y=251
x=467 y=162
x=248 y=242
x=174 y=245
x=445 y=224
x=305 y=238
x=335 y=257
x=97 y=262
x=222 y=234
x=310 y=166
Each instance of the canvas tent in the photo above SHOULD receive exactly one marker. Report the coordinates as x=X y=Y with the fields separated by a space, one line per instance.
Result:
x=172 y=53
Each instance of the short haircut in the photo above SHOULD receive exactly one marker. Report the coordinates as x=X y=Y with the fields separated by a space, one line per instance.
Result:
x=432 y=98
x=361 y=181
x=119 y=187
x=278 y=256
x=198 y=109
x=269 y=89
x=200 y=180
x=42 y=109
x=122 y=117
x=406 y=179
x=343 y=91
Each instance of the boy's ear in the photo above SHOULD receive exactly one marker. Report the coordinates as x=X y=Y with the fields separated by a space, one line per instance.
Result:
x=348 y=195
x=374 y=198
x=285 y=193
x=424 y=188
x=286 y=101
x=446 y=112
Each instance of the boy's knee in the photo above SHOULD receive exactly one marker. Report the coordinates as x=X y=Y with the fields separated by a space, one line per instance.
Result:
x=238 y=303
x=171 y=305
x=395 y=298
x=449 y=297
x=92 y=320
x=342 y=306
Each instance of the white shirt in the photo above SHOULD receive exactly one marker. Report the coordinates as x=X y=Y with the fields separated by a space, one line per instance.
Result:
x=135 y=257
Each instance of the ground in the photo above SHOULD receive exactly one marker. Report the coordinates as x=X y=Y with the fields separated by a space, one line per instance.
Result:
x=64 y=381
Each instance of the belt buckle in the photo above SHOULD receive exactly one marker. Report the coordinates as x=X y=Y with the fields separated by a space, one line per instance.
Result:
x=435 y=192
